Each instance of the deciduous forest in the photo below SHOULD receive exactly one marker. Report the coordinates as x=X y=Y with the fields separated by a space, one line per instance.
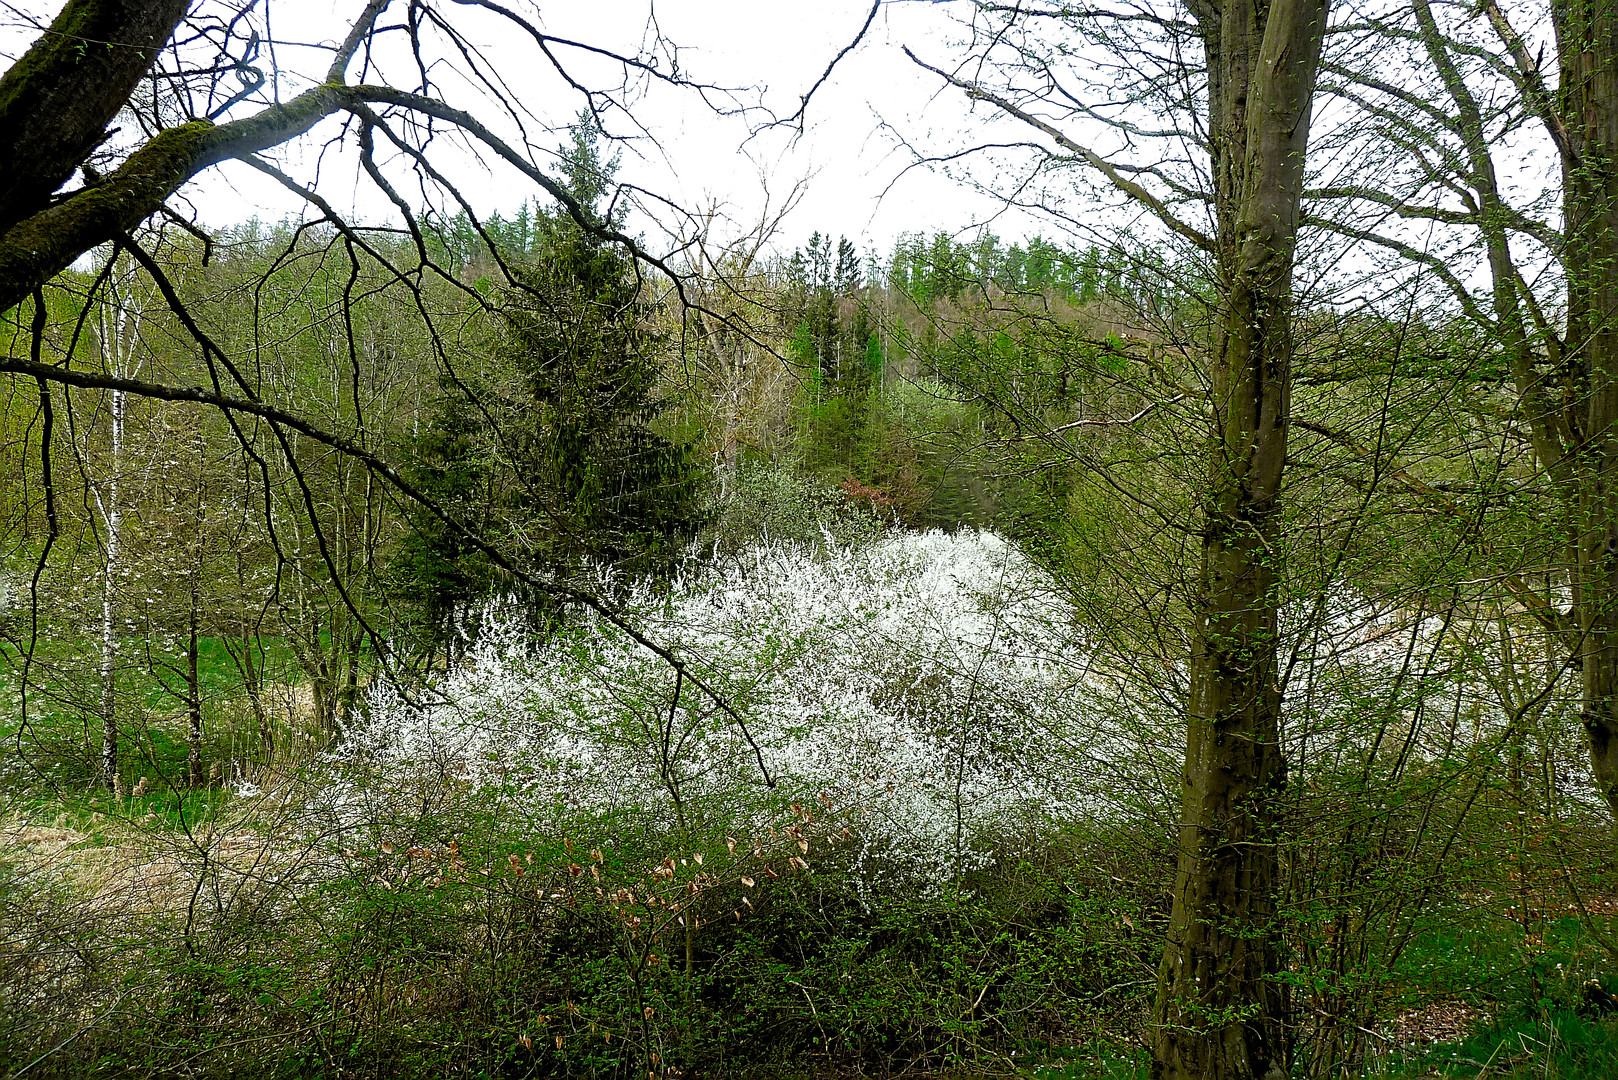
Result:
x=1163 y=628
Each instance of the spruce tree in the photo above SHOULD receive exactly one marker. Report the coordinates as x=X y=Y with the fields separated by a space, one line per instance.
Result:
x=552 y=454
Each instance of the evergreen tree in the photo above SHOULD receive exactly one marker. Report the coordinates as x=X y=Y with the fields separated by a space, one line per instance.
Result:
x=552 y=453
x=834 y=340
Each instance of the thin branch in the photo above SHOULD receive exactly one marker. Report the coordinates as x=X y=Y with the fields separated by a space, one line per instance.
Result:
x=47 y=373
x=975 y=92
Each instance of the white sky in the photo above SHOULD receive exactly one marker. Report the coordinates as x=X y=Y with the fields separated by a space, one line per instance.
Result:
x=848 y=158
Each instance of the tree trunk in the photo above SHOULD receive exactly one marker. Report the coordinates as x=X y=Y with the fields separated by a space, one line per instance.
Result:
x=112 y=520
x=1219 y=1012
x=56 y=102
x=193 y=697
x=118 y=338
x=1587 y=43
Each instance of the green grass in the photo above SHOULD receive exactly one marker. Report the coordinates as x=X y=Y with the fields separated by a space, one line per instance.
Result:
x=1533 y=988
x=1558 y=1044
x=1096 y=1062
x=60 y=742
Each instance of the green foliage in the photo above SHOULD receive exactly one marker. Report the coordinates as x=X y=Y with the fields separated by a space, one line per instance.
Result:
x=462 y=943
x=52 y=759
x=765 y=502
x=835 y=344
x=1557 y=1042
x=552 y=452
x=942 y=268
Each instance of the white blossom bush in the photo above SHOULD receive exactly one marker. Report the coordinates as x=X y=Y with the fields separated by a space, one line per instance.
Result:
x=931 y=691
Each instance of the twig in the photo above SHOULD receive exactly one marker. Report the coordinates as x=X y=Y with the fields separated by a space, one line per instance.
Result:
x=116 y=1002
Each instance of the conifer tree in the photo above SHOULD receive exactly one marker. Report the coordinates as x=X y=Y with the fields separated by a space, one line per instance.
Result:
x=553 y=452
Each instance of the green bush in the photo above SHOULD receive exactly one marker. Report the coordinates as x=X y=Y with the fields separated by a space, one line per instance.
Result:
x=501 y=953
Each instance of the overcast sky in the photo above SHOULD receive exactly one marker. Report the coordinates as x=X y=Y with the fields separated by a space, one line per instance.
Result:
x=849 y=156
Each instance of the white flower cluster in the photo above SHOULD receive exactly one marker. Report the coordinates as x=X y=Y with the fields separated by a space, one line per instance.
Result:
x=933 y=689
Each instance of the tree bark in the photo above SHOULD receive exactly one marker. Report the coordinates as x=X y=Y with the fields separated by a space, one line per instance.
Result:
x=193 y=694
x=112 y=518
x=56 y=105
x=1587 y=45
x=1220 y=1013
x=119 y=337
x=57 y=101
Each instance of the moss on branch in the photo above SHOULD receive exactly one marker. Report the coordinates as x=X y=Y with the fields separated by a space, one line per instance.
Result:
x=41 y=246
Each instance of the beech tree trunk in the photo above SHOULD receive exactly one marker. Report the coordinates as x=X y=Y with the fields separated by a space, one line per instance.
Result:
x=1219 y=1011
x=1587 y=44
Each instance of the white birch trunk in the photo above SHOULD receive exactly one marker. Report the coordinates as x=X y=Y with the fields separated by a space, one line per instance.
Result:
x=118 y=353
x=112 y=520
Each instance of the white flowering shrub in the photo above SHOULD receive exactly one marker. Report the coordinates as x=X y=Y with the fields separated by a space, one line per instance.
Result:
x=933 y=690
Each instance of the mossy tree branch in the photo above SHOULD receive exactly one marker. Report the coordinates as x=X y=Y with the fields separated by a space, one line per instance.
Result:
x=57 y=101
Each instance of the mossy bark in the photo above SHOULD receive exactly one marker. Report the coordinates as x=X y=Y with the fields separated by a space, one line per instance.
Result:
x=42 y=245
x=1220 y=1011
x=1587 y=44
x=57 y=100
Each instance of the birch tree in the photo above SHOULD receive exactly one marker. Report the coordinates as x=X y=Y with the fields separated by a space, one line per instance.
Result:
x=118 y=324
